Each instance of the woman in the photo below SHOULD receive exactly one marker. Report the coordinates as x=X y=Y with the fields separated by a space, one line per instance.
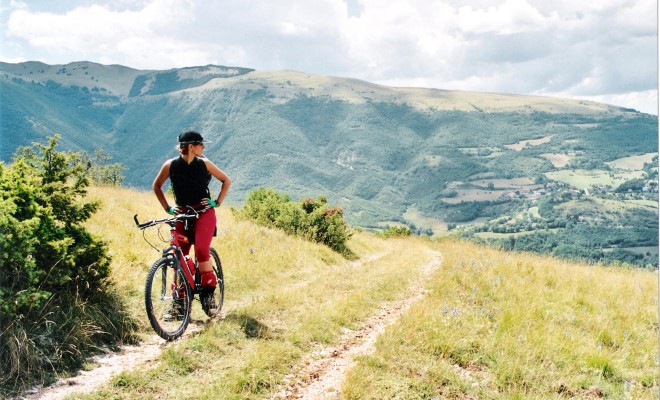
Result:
x=190 y=174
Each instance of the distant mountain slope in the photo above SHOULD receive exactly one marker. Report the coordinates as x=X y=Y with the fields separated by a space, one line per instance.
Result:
x=285 y=85
x=159 y=82
x=382 y=153
x=116 y=80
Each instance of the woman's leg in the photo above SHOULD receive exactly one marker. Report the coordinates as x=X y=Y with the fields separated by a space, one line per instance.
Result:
x=204 y=229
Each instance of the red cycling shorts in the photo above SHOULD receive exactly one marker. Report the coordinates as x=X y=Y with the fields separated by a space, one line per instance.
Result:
x=204 y=229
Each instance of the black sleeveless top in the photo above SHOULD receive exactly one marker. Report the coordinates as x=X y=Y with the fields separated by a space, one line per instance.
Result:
x=190 y=182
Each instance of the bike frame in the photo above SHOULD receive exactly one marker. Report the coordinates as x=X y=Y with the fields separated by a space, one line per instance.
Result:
x=173 y=251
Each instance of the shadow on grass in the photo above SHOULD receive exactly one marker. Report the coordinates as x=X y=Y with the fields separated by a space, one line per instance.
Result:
x=348 y=254
x=252 y=328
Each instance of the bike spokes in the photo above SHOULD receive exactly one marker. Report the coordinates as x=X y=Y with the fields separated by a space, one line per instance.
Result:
x=167 y=299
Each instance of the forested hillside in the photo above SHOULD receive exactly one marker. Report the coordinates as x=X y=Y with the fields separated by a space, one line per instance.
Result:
x=516 y=170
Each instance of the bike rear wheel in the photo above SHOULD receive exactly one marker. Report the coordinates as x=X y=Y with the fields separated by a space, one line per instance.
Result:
x=213 y=304
x=167 y=299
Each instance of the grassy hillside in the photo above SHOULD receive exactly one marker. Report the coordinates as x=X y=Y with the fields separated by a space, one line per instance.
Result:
x=491 y=324
x=500 y=325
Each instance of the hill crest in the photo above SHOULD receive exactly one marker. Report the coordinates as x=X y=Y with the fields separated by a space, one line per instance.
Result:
x=124 y=81
x=424 y=99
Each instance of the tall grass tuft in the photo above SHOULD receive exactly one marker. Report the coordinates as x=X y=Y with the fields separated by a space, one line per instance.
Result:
x=56 y=338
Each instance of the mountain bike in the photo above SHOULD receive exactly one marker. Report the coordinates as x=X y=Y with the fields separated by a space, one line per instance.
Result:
x=174 y=279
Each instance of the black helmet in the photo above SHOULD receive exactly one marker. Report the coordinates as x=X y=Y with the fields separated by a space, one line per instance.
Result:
x=191 y=137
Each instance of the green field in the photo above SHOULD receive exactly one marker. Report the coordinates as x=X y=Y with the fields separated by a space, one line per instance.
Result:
x=633 y=162
x=653 y=204
x=596 y=204
x=640 y=250
x=474 y=195
x=584 y=179
x=414 y=216
x=519 y=146
x=558 y=160
x=514 y=183
x=495 y=235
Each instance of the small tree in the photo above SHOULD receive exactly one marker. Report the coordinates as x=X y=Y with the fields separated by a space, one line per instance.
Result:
x=52 y=271
x=104 y=173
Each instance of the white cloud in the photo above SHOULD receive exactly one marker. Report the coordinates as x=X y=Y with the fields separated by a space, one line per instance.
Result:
x=402 y=39
x=512 y=16
x=603 y=49
x=96 y=32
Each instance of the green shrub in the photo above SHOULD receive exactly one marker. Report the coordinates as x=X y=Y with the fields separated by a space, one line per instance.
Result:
x=55 y=301
x=311 y=219
x=395 y=231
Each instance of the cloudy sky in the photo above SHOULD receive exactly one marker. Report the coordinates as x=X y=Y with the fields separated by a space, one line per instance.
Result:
x=602 y=50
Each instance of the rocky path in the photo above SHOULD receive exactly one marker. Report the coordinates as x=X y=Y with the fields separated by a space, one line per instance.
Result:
x=128 y=357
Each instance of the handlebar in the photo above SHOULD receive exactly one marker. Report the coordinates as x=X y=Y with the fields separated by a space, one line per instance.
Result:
x=191 y=213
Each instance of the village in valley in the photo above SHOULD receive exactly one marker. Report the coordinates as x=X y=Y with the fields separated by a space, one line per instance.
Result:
x=593 y=212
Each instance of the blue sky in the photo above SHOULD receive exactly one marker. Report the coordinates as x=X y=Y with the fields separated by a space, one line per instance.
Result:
x=605 y=50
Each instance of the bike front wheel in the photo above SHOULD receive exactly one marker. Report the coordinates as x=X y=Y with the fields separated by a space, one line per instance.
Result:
x=167 y=299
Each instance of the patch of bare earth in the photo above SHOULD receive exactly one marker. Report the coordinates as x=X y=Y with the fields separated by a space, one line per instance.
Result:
x=108 y=365
x=321 y=375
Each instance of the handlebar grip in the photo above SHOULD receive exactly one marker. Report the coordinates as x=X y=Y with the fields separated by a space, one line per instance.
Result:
x=142 y=225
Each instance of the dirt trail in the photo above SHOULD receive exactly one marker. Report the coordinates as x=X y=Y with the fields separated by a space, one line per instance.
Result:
x=321 y=378
x=109 y=366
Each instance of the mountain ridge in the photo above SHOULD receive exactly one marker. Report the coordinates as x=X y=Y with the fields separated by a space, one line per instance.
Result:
x=438 y=99
x=70 y=74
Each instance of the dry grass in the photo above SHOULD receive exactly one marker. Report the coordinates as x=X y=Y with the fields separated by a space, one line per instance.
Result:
x=284 y=297
x=492 y=325
x=501 y=325
x=282 y=83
